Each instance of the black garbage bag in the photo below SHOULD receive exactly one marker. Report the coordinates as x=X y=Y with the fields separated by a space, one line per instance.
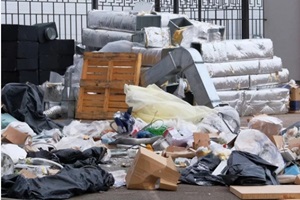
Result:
x=201 y=172
x=24 y=101
x=244 y=168
x=89 y=156
x=67 y=183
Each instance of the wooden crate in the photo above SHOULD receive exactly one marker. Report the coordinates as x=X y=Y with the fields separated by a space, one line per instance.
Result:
x=102 y=82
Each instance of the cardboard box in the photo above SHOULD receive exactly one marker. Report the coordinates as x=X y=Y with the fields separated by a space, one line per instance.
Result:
x=295 y=93
x=201 y=140
x=151 y=171
x=297 y=180
x=14 y=136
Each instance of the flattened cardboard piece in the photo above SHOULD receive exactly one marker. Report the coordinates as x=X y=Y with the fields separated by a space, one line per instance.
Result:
x=295 y=142
x=201 y=140
x=278 y=141
x=14 y=136
x=295 y=93
x=27 y=174
x=151 y=171
x=297 y=180
x=175 y=152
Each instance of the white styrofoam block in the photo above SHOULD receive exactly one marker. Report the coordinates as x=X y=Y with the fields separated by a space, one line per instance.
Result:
x=157 y=37
x=235 y=68
x=231 y=82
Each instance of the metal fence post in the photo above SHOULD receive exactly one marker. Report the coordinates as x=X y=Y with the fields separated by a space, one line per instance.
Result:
x=157 y=5
x=95 y=5
x=245 y=19
x=176 y=7
x=199 y=9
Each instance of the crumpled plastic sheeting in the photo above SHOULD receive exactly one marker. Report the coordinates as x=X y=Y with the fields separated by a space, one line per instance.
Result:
x=244 y=168
x=151 y=102
x=67 y=183
x=200 y=173
x=256 y=142
x=150 y=56
x=25 y=103
x=267 y=66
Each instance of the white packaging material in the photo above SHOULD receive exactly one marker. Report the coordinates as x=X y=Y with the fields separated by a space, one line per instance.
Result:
x=207 y=31
x=99 y=38
x=14 y=152
x=271 y=65
x=255 y=142
x=112 y=20
x=150 y=56
x=157 y=37
x=252 y=102
x=214 y=52
x=235 y=68
x=269 y=79
x=231 y=82
x=249 y=49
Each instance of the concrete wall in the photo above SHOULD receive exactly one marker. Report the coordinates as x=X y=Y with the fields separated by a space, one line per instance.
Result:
x=283 y=27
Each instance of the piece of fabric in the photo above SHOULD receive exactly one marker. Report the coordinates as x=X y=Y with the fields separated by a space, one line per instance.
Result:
x=24 y=101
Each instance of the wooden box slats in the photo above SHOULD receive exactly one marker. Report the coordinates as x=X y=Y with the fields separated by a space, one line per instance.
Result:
x=102 y=82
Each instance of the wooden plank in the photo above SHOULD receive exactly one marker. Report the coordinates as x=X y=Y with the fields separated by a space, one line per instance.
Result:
x=267 y=192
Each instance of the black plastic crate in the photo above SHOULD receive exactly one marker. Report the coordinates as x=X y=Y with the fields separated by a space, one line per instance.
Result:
x=9 y=77
x=52 y=62
x=31 y=76
x=57 y=47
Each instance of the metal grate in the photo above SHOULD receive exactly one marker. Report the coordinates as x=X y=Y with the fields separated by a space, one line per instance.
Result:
x=70 y=16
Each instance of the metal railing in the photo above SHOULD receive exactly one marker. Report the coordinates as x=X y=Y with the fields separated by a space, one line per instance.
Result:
x=241 y=18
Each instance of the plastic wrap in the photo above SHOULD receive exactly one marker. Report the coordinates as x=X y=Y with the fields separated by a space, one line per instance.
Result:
x=214 y=52
x=99 y=38
x=157 y=37
x=251 y=102
x=231 y=82
x=269 y=79
x=255 y=142
x=249 y=49
x=272 y=65
x=150 y=56
x=116 y=20
x=165 y=17
x=236 y=68
x=152 y=102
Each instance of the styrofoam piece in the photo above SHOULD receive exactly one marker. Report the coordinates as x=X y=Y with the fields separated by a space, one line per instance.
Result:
x=269 y=79
x=231 y=82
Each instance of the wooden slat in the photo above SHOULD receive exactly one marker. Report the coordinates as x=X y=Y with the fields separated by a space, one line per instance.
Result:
x=102 y=83
x=267 y=192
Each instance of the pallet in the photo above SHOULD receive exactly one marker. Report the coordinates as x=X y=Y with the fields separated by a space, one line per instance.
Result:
x=103 y=77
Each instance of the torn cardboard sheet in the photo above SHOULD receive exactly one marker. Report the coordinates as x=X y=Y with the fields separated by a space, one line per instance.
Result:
x=151 y=171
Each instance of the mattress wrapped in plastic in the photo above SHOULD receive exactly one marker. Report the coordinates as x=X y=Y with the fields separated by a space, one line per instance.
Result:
x=231 y=50
x=231 y=82
x=267 y=66
x=121 y=20
x=99 y=38
x=269 y=79
x=252 y=102
x=235 y=68
x=150 y=56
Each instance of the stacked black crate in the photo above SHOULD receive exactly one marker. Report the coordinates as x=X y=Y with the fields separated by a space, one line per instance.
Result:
x=19 y=54
x=56 y=56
